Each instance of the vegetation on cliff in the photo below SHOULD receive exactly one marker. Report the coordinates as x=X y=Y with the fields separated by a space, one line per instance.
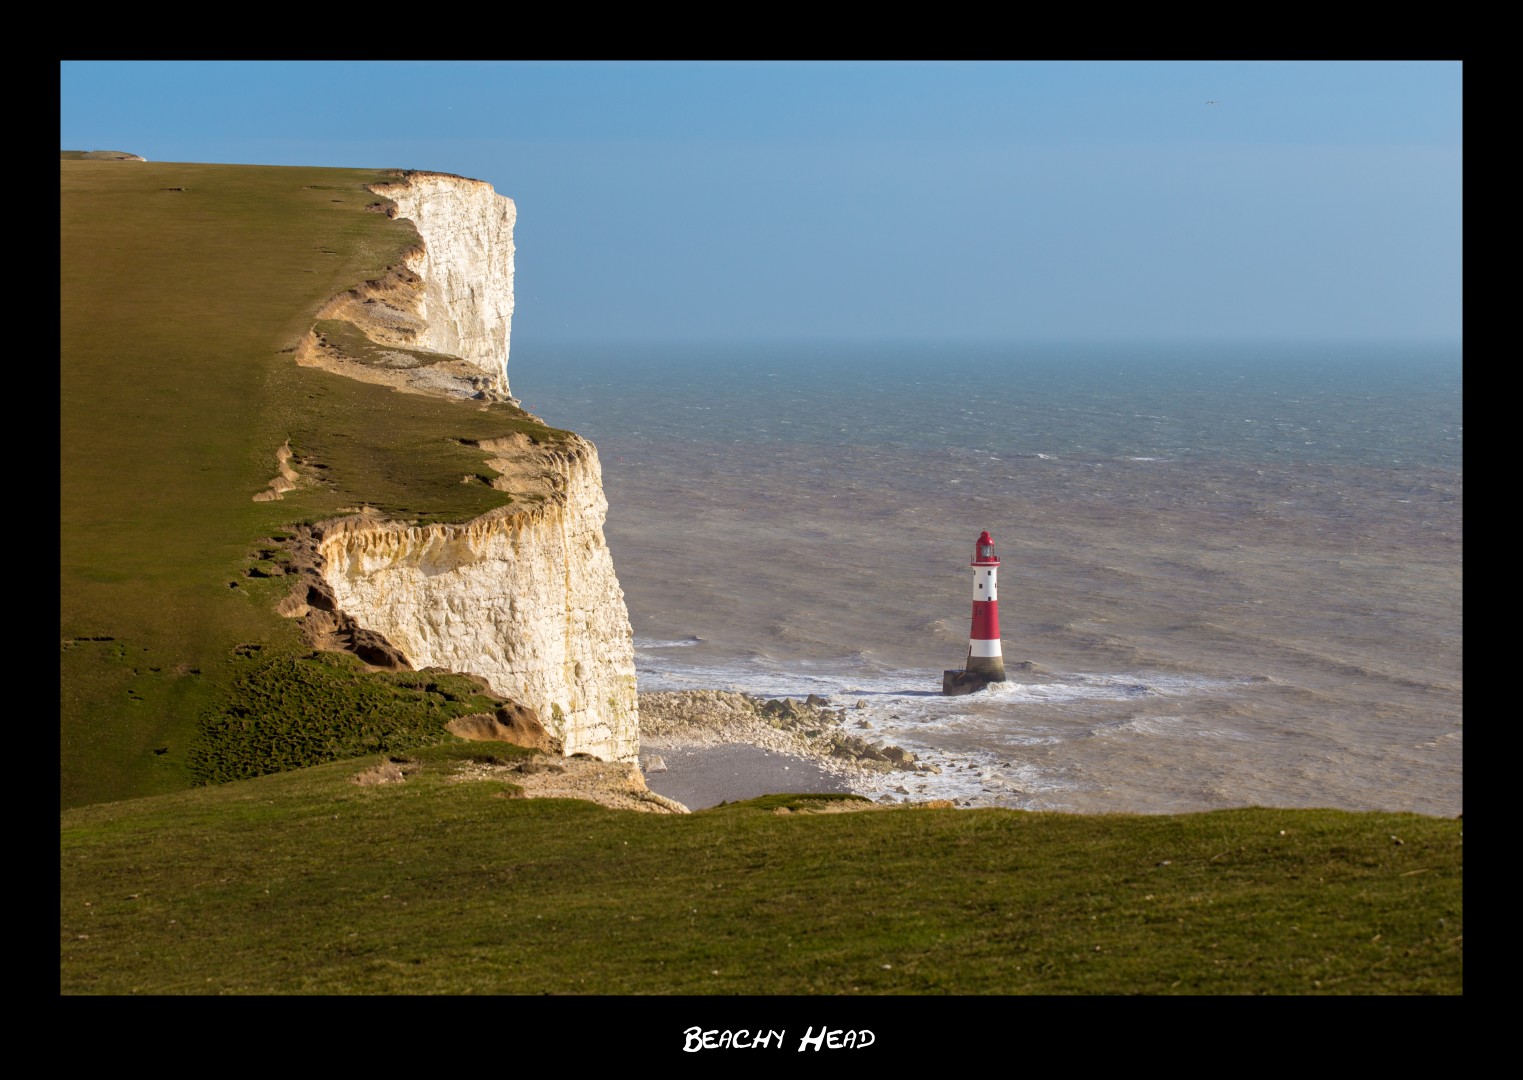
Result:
x=290 y=712
x=185 y=290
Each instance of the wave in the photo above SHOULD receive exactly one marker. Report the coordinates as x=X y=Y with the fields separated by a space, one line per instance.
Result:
x=857 y=674
x=1166 y=726
x=651 y=643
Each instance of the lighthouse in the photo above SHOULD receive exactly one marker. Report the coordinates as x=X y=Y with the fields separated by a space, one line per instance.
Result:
x=985 y=664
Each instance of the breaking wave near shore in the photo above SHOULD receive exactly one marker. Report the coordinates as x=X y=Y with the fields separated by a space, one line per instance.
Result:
x=1003 y=747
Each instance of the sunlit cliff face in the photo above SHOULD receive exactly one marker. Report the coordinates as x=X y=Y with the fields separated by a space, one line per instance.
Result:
x=525 y=596
x=527 y=600
x=466 y=265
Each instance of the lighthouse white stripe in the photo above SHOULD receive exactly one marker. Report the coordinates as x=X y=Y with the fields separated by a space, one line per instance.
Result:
x=983 y=648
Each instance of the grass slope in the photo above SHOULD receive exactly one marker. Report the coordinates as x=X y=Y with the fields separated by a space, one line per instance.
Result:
x=183 y=288
x=307 y=883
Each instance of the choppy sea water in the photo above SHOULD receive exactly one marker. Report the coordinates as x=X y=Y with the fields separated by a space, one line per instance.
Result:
x=1234 y=571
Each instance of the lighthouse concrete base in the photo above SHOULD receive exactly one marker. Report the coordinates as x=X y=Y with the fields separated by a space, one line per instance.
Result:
x=964 y=682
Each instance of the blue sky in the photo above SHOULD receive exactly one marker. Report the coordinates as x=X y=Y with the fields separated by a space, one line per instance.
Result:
x=1021 y=200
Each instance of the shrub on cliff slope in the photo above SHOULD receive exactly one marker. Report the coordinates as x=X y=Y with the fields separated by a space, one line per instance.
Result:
x=288 y=712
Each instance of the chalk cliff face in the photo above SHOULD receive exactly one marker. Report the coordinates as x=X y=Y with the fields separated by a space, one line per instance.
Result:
x=526 y=599
x=466 y=267
x=524 y=596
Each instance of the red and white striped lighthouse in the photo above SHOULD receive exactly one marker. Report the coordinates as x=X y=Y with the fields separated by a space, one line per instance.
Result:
x=984 y=657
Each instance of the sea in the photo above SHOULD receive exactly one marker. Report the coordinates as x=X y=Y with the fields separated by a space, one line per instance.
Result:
x=1230 y=573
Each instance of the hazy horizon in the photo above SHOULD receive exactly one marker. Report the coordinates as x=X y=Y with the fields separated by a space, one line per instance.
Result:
x=905 y=200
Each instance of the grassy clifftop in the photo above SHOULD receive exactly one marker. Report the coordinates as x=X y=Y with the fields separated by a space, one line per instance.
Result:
x=184 y=289
x=443 y=882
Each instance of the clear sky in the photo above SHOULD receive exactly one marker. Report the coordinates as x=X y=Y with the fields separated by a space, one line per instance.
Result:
x=1011 y=200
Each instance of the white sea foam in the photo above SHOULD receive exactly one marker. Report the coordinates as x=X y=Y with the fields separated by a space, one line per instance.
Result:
x=1004 y=746
x=845 y=677
x=649 y=643
x=1165 y=726
x=977 y=779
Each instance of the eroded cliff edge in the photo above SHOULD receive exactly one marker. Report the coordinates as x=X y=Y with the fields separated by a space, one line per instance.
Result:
x=525 y=596
x=526 y=599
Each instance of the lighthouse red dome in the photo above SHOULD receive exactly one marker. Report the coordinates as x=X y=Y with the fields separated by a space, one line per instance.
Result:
x=983 y=551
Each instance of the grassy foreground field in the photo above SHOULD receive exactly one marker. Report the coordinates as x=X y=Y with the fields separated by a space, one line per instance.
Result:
x=309 y=883
x=182 y=289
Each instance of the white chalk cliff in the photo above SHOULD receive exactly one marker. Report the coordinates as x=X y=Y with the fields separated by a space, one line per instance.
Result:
x=524 y=596
x=466 y=265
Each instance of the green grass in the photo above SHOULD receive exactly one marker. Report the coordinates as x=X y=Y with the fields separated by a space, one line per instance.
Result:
x=306 y=883
x=288 y=713
x=183 y=287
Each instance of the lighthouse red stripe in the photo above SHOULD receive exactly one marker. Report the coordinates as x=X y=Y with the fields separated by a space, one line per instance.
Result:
x=985 y=620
